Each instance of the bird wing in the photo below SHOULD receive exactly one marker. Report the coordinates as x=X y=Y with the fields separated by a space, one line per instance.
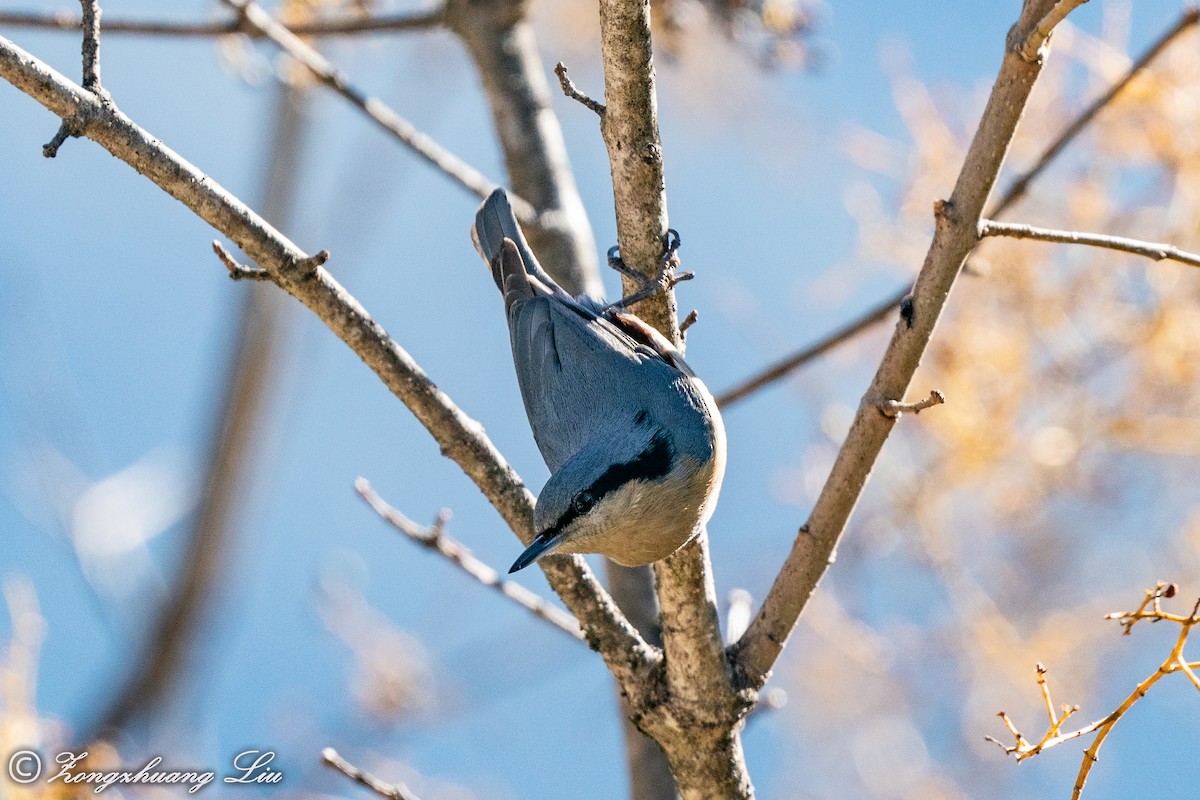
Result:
x=551 y=352
x=579 y=365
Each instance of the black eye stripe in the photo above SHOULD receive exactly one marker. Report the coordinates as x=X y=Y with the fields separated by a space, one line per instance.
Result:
x=651 y=464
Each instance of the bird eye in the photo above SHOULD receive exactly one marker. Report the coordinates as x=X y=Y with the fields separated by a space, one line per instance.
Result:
x=583 y=502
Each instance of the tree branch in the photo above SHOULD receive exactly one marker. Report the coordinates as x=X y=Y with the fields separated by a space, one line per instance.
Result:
x=572 y=91
x=462 y=173
x=434 y=538
x=1150 y=609
x=698 y=729
x=390 y=791
x=503 y=47
x=1015 y=192
x=460 y=437
x=635 y=155
x=75 y=124
x=384 y=23
x=894 y=408
x=91 y=45
x=1152 y=250
x=239 y=272
x=955 y=235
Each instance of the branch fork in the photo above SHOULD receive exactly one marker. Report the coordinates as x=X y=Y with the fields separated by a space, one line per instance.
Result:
x=76 y=124
x=1150 y=609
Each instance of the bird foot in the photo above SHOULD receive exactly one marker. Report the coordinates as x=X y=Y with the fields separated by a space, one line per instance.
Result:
x=666 y=278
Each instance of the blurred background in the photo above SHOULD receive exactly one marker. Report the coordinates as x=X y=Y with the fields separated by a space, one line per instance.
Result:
x=804 y=146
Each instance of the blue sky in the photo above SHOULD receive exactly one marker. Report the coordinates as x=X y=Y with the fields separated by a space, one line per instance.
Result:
x=115 y=321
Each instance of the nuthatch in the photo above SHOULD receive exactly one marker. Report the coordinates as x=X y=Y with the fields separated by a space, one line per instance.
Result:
x=633 y=439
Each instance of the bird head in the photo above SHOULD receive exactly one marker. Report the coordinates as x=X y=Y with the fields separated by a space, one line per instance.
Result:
x=633 y=499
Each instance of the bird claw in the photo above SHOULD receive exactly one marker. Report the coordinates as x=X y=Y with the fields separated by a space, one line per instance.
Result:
x=663 y=281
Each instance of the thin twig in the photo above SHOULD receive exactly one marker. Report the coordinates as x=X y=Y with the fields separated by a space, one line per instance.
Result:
x=894 y=408
x=1015 y=192
x=781 y=369
x=384 y=23
x=692 y=317
x=392 y=791
x=1150 y=609
x=1153 y=250
x=572 y=91
x=401 y=129
x=435 y=539
x=238 y=271
x=308 y=266
x=90 y=23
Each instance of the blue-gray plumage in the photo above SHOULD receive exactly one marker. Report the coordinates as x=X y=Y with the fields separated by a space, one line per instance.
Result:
x=633 y=439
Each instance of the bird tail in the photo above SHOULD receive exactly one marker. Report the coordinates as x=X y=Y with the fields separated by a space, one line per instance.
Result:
x=495 y=222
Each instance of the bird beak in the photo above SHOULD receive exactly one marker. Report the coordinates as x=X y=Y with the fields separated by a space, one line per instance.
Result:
x=541 y=546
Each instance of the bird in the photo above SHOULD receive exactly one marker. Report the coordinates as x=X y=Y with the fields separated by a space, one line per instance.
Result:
x=633 y=439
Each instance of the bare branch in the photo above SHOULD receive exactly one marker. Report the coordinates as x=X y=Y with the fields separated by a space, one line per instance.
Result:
x=688 y=322
x=1015 y=192
x=460 y=437
x=635 y=154
x=435 y=539
x=892 y=409
x=630 y=130
x=67 y=128
x=954 y=237
x=1151 y=609
x=91 y=45
x=1153 y=250
x=572 y=91
x=384 y=23
x=391 y=791
x=76 y=123
x=309 y=266
x=401 y=129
